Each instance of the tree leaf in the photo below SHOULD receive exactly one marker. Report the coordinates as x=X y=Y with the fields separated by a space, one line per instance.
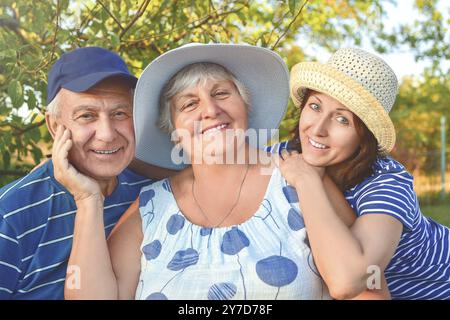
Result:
x=15 y=92
x=37 y=155
x=31 y=101
x=293 y=6
x=6 y=159
x=35 y=135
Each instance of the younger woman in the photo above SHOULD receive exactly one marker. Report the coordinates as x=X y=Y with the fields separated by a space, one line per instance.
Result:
x=345 y=130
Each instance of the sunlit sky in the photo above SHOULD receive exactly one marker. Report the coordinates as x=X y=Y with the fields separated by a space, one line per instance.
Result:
x=402 y=61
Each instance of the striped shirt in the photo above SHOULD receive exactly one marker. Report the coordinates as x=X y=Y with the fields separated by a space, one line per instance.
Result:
x=420 y=267
x=37 y=217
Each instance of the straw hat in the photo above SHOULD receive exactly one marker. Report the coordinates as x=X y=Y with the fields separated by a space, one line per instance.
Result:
x=262 y=71
x=361 y=81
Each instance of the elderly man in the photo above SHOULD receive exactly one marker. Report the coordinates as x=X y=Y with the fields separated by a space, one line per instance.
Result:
x=90 y=93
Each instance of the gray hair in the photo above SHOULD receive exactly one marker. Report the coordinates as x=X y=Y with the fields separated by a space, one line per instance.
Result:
x=192 y=75
x=54 y=107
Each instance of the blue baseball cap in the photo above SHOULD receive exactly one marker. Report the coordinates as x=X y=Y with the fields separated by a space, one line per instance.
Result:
x=83 y=68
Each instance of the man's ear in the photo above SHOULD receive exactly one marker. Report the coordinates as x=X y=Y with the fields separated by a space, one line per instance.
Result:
x=52 y=124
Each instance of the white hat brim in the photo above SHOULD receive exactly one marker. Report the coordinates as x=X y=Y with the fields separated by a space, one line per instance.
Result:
x=261 y=70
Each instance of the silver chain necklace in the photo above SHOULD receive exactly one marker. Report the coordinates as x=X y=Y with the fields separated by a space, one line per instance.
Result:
x=229 y=212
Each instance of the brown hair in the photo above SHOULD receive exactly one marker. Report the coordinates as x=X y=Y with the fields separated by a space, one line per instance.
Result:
x=359 y=166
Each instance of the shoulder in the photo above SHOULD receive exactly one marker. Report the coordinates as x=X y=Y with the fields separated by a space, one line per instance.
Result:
x=156 y=204
x=384 y=165
x=281 y=192
x=288 y=192
x=387 y=172
x=282 y=203
x=277 y=147
x=35 y=186
x=389 y=190
x=163 y=192
x=39 y=173
x=154 y=191
x=129 y=185
x=131 y=178
x=28 y=204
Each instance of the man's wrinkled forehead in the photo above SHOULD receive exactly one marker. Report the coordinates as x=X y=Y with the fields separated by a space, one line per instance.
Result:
x=109 y=97
x=112 y=86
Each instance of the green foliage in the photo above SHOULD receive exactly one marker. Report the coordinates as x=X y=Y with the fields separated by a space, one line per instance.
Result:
x=433 y=206
x=416 y=115
x=33 y=36
x=438 y=213
x=428 y=37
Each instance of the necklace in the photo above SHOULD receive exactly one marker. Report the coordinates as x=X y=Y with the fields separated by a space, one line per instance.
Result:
x=229 y=212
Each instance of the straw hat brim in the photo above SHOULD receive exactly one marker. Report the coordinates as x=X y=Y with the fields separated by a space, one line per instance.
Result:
x=326 y=79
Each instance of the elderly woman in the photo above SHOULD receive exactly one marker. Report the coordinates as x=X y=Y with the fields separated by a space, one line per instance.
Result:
x=226 y=227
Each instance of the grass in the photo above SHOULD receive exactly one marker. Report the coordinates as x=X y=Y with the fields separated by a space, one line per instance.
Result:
x=428 y=188
x=438 y=212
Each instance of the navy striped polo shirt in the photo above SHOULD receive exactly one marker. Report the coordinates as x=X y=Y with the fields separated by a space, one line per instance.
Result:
x=37 y=217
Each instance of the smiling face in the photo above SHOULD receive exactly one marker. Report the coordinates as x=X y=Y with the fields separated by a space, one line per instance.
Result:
x=328 y=135
x=210 y=113
x=101 y=124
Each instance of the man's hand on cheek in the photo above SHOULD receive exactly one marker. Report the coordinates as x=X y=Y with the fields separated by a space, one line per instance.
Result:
x=79 y=185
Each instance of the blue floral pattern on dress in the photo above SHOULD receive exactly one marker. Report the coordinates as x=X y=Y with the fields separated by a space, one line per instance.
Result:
x=175 y=224
x=276 y=271
x=222 y=291
x=182 y=260
x=166 y=186
x=146 y=201
x=152 y=250
x=145 y=197
x=234 y=241
x=157 y=296
x=295 y=220
x=291 y=194
x=205 y=231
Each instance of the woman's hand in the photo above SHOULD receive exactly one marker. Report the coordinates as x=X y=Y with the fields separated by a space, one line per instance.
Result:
x=79 y=185
x=296 y=170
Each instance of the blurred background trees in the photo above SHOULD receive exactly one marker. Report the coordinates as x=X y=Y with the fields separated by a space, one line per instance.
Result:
x=33 y=36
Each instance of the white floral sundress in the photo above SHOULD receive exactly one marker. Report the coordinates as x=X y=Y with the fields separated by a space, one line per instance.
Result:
x=265 y=257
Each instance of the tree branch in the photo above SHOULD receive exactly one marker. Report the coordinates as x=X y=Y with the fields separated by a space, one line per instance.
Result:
x=201 y=21
x=277 y=25
x=140 y=12
x=88 y=16
x=56 y=31
x=111 y=15
x=45 y=62
x=20 y=131
x=289 y=26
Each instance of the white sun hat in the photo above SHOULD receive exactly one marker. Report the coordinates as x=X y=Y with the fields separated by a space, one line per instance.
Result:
x=262 y=71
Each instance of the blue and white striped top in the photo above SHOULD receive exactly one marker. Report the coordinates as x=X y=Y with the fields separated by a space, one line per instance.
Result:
x=37 y=217
x=420 y=267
